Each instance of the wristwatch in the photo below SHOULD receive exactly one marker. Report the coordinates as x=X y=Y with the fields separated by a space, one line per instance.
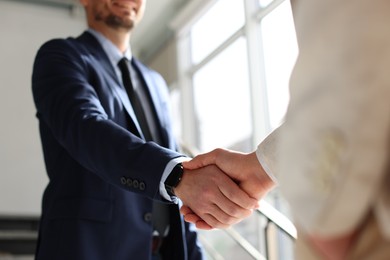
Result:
x=174 y=179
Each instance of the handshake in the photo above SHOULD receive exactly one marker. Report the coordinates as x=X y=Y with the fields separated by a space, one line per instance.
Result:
x=222 y=187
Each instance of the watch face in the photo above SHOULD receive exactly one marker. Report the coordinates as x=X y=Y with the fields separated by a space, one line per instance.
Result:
x=174 y=179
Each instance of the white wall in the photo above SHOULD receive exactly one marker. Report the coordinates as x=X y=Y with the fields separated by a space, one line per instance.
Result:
x=24 y=27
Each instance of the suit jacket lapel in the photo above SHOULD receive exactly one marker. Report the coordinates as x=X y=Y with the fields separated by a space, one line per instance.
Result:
x=92 y=45
x=155 y=95
x=153 y=91
x=97 y=51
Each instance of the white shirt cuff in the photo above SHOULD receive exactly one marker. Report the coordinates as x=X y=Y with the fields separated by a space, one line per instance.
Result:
x=260 y=156
x=167 y=171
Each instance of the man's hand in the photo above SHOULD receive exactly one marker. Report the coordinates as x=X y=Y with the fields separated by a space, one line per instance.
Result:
x=191 y=217
x=214 y=197
x=244 y=169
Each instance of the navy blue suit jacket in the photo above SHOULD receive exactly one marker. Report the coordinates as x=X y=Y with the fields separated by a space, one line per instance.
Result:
x=103 y=177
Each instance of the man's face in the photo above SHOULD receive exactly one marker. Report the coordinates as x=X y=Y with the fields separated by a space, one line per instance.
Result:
x=124 y=14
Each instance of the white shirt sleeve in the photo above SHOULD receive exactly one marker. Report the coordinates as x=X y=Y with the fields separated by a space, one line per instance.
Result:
x=267 y=154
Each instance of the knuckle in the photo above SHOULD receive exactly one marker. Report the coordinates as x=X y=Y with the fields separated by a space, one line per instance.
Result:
x=227 y=220
x=234 y=211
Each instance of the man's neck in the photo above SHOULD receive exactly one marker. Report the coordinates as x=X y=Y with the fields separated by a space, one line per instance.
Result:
x=119 y=37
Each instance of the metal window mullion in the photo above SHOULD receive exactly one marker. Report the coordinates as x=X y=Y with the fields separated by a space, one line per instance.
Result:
x=190 y=130
x=257 y=78
x=262 y=12
x=194 y=68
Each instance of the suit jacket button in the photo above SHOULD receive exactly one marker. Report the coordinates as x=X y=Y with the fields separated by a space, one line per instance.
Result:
x=123 y=180
x=148 y=217
x=129 y=182
x=142 y=185
x=135 y=184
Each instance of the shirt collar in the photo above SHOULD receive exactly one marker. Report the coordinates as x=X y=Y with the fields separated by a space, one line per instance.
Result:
x=113 y=53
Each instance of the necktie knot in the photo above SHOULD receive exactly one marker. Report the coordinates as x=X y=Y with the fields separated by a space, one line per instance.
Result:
x=124 y=66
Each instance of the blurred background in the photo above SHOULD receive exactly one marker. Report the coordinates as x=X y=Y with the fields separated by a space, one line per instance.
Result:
x=227 y=64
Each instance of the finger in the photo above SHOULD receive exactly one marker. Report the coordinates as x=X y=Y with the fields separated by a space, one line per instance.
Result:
x=227 y=203
x=201 y=160
x=206 y=199
x=203 y=225
x=210 y=220
x=184 y=210
x=190 y=216
x=212 y=215
x=217 y=210
x=220 y=207
x=239 y=197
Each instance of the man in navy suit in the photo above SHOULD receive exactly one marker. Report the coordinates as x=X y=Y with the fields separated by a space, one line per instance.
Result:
x=106 y=177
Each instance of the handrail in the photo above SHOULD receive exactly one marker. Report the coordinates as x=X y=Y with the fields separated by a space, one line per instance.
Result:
x=273 y=216
x=18 y=235
x=245 y=244
x=276 y=217
x=211 y=251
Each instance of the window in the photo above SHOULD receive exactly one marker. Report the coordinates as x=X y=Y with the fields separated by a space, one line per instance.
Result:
x=264 y=3
x=280 y=50
x=217 y=66
x=222 y=103
x=215 y=26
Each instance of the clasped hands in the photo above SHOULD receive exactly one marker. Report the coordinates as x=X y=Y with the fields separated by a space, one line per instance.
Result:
x=222 y=187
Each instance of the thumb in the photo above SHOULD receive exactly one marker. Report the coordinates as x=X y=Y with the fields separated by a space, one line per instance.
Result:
x=201 y=160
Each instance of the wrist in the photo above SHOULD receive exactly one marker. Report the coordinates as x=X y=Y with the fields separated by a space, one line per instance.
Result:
x=174 y=179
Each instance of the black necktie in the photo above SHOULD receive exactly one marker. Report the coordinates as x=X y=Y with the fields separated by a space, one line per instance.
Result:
x=160 y=216
x=126 y=70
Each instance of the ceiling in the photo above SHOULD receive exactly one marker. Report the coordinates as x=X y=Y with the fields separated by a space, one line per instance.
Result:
x=151 y=33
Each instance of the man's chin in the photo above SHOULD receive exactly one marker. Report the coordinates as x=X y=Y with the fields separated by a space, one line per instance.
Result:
x=118 y=22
